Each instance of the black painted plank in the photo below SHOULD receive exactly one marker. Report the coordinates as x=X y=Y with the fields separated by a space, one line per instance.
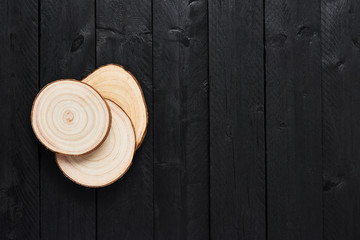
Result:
x=67 y=50
x=341 y=117
x=293 y=116
x=237 y=146
x=123 y=28
x=181 y=129
x=19 y=167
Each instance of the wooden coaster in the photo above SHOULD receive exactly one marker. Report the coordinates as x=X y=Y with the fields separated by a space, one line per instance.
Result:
x=118 y=85
x=107 y=163
x=70 y=117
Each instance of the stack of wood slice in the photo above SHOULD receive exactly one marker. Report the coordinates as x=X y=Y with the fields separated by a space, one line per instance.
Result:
x=94 y=126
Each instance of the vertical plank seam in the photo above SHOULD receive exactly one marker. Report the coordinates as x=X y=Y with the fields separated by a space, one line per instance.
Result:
x=209 y=109
x=265 y=122
x=152 y=114
x=95 y=62
x=322 y=125
x=38 y=88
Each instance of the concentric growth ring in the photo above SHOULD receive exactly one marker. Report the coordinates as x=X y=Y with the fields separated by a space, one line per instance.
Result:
x=115 y=83
x=70 y=117
x=107 y=163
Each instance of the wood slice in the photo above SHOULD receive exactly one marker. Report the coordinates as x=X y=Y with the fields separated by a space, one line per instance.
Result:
x=70 y=117
x=115 y=83
x=107 y=163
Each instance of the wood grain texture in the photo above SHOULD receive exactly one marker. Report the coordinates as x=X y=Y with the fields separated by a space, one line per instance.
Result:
x=237 y=120
x=70 y=117
x=19 y=168
x=181 y=150
x=67 y=50
x=210 y=86
x=123 y=28
x=115 y=83
x=341 y=116
x=293 y=107
x=110 y=161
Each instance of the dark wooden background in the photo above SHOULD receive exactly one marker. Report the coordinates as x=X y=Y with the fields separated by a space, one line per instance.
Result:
x=254 y=110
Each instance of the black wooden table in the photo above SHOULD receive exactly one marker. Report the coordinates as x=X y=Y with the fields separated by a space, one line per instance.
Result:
x=254 y=119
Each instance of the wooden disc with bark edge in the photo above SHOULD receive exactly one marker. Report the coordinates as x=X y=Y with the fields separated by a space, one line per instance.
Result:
x=115 y=83
x=70 y=117
x=107 y=163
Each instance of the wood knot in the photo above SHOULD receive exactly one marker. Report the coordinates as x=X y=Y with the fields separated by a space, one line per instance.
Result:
x=339 y=65
x=278 y=40
x=179 y=36
x=356 y=42
x=205 y=86
x=69 y=116
x=191 y=2
x=305 y=33
x=76 y=44
x=282 y=125
x=332 y=182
